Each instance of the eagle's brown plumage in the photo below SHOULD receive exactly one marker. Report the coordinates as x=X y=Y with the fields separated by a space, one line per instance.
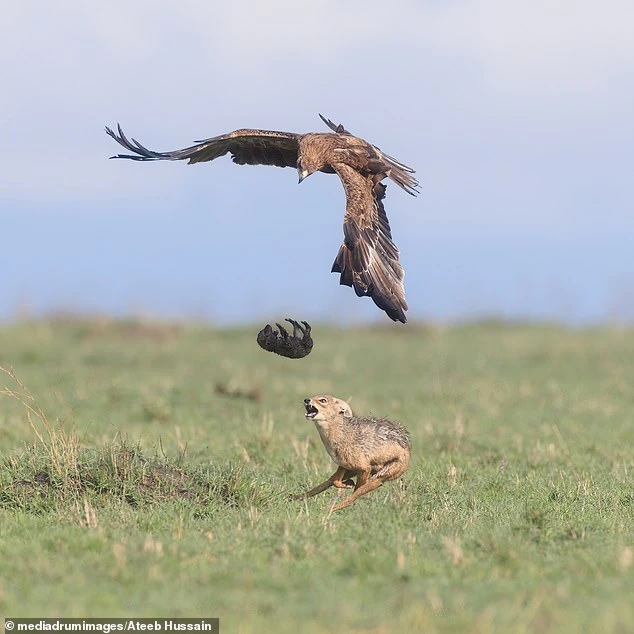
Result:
x=368 y=259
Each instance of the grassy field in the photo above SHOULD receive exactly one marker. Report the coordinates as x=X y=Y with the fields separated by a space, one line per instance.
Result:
x=146 y=471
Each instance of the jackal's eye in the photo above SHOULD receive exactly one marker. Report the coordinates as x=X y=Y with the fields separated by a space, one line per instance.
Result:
x=323 y=401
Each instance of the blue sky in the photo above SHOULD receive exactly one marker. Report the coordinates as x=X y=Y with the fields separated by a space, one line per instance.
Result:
x=516 y=116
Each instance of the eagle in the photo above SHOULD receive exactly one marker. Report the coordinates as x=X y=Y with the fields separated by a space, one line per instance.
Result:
x=368 y=259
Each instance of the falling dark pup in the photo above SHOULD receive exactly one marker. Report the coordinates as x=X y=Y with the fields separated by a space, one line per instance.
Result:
x=295 y=346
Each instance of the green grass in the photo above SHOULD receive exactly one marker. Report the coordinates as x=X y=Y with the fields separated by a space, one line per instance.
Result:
x=145 y=471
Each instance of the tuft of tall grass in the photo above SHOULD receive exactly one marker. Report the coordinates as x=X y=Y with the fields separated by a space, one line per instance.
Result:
x=61 y=446
x=56 y=472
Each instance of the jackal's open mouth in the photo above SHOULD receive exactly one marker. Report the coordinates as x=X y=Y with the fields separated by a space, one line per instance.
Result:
x=311 y=410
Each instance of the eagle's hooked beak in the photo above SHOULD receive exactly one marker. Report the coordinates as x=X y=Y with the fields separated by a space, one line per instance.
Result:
x=302 y=174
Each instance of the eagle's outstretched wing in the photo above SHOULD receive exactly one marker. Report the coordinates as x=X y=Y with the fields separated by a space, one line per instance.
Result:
x=251 y=147
x=368 y=260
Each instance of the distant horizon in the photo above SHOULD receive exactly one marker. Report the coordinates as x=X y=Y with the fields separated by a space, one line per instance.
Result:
x=141 y=316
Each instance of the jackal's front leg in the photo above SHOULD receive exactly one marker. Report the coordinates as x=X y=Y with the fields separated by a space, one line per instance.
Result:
x=345 y=482
x=364 y=485
x=334 y=480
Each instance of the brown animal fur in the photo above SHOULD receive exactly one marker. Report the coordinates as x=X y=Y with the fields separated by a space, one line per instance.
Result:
x=375 y=450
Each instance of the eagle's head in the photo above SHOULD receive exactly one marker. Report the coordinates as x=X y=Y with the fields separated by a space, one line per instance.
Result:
x=302 y=172
x=311 y=159
x=305 y=167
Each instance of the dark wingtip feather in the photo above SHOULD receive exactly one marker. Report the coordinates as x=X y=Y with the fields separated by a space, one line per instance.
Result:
x=328 y=122
x=397 y=316
x=141 y=153
x=339 y=129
